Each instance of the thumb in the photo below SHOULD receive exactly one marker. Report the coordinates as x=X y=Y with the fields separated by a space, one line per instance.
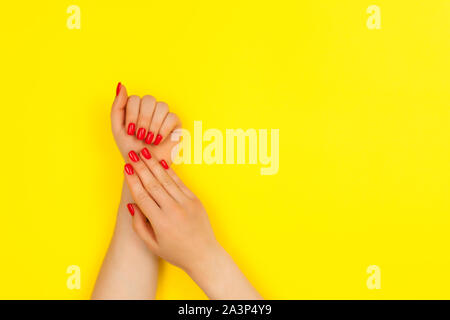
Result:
x=143 y=228
x=118 y=107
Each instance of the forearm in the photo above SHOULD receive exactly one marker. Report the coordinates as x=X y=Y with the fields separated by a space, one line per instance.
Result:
x=129 y=270
x=220 y=278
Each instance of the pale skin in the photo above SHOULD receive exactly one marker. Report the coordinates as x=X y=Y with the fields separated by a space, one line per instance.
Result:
x=169 y=221
x=130 y=270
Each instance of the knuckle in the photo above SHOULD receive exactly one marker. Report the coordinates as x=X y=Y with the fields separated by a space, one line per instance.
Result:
x=166 y=183
x=133 y=98
x=149 y=98
x=195 y=203
x=144 y=117
x=177 y=208
x=175 y=117
x=141 y=197
x=153 y=164
x=185 y=202
x=172 y=119
x=154 y=187
x=162 y=106
x=177 y=120
x=139 y=167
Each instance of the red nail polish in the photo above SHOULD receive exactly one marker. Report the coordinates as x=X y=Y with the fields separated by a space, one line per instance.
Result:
x=164 y=164
x=131 y=209
x=146 y=153
x=141 y=134
x=119 y=85
x=131 y=128
x=129 y=169
x=157 y=140
x=133 y=156
x=149 y=138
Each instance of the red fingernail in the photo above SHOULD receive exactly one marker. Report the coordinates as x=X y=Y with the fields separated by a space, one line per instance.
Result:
x=131 y=128
x=129 y=169
x=141 y=134
x=164 y=164
x=146 y=153
x=149 y=138
x=119 y=85
x=133 y=156
x=157 y=140
x=131 y=209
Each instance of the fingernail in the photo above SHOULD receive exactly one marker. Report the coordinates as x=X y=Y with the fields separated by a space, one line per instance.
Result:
x=141 y=134
x=157 y=140
x=133 y=156
x=146 y=153
x=131 y=209
x=131 y=128
x=119 y=85
x=164 y=164
x=149 y=138
x=129 y=169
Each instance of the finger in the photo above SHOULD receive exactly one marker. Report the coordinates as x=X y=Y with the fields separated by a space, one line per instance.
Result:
x=132 y=114
x=180 y=184
x=118 y=108
x=171 y=145
x=170 y=123
x=143 y=228
x=150 y=183
x=161 y=111
x=159 y=172
x=141 y=197
x=146 y=109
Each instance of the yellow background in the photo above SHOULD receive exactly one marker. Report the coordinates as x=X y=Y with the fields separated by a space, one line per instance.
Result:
x=364 y=139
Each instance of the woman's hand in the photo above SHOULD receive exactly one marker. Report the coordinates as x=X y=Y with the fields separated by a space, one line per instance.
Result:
x=178 y=229
x=143 y=122
x=173 y=223
x=136 y=122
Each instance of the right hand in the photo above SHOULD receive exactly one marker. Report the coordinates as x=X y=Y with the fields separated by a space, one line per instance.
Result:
x=178 y=229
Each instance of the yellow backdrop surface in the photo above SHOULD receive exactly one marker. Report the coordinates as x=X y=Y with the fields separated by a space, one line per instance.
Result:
x=364 y=128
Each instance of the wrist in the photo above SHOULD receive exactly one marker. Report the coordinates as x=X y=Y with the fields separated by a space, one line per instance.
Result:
x=123 y=225
x=208 y=269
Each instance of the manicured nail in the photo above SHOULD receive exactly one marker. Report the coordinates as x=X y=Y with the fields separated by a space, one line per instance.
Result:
x=131 y=128
x=164 y=164
x=146 y=153
x=149 y=138
x=133 y=156
x=141 y=134
x=157 y=140
x=119 y=85
x=131 y=209
x=129 y=169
